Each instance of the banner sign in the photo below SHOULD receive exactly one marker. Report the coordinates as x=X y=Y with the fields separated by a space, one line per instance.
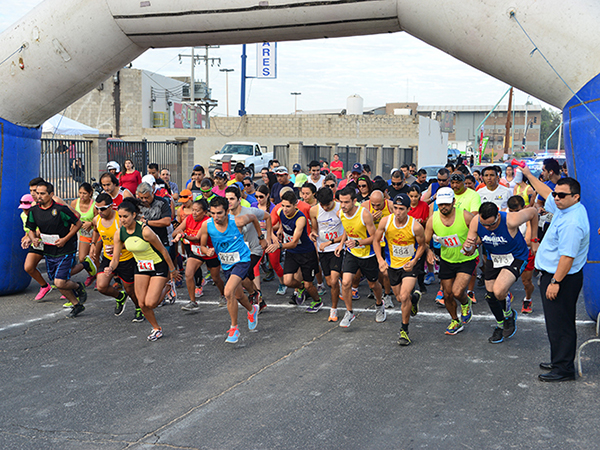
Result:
x=182 y=116
x=266 y=60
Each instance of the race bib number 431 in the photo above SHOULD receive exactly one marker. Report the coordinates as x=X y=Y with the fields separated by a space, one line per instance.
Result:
x=450 y=241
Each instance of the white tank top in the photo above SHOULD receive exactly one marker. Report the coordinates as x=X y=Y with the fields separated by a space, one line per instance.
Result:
x=330 y=227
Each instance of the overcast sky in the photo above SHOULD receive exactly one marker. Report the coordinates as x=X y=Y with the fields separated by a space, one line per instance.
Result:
x=381 y=69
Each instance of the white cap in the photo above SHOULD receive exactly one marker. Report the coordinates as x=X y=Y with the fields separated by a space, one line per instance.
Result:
x=445 y=196
x=149 y=179
x=113 y=165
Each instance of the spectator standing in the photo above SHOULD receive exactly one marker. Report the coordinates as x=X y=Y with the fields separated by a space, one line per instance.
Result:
x=130 y=178
x=337 y=167
x=78 y=171
x=165 y=175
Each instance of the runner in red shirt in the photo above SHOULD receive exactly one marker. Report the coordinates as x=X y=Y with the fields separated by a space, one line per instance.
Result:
x=188 y=232
x=420 y=211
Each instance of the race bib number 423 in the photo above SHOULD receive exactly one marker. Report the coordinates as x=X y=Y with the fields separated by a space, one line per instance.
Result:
x=450 y=241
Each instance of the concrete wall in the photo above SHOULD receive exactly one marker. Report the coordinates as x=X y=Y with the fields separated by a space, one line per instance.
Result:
x=270 y=130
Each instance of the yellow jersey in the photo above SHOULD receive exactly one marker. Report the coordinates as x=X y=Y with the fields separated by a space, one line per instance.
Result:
x=108 y=239
x=401 y=241
x=356 y=229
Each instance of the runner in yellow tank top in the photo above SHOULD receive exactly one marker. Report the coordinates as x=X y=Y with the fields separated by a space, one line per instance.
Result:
x=357 y=239
x=379 y=207
x=523 y=189
x=451 y=227
x=405 y=239
x=105 y=226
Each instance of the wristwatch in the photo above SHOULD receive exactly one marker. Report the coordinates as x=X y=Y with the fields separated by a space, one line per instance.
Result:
x=332 y=241
x=261 y=237
x=555 y=281
x=356 y=243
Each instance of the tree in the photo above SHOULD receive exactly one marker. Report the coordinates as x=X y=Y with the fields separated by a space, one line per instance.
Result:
x=550 y=120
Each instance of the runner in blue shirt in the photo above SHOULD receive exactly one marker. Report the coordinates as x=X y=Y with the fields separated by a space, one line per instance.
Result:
x=228 y=241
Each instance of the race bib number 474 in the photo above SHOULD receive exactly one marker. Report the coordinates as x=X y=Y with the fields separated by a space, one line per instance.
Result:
x=229 y=258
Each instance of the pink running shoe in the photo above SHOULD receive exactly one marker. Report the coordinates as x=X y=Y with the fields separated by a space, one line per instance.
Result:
x=89 y=281
x=43 y=292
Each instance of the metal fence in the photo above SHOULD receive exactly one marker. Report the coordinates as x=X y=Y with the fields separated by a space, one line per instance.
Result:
x=348 y=155
x=281 y=153
x=371 y=158
x=65 y=163
x=314 y=153
x=388 y=162
x=142 y=153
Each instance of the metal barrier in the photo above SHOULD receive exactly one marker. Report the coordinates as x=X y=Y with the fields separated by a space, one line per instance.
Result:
x=165 y=155
x=371 y=159
x=65 y=163
x=388 y=162
x=314 y=153
x=281 y=153
x=348 y=155
x=120 y=151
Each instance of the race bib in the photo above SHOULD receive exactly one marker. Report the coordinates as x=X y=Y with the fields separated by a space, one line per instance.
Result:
x=502 y=260
x=287 y=238
x=328 y=236
x=450 y=241
x=39 y=247
x=403 y=251
x=146 y=265
x=109 y=249
x=197 y=250
x=86 y=234
x=49 y=239
x=229 y=258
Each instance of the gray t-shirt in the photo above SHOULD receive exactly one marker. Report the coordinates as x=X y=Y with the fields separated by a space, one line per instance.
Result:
x=249 y=231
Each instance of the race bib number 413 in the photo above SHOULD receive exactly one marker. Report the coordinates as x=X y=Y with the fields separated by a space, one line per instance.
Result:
x=146 y=265
x=502 y=260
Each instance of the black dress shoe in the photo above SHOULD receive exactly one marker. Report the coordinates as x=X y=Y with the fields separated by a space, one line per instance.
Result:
x=555 y=377
x=546 y=366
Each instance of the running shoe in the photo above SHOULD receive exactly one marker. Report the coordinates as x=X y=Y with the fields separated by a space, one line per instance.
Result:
x=380 y=314
x=387 y=301
x=155 y=335
x=439 y=299
x=233 y=335
x=332 y=315
x=348 y=319
x=509 y=300
x=480 y=280
x=510 y=325
x=253 y=317
x=436 y=268
x=526 y=309
x=139 y=316
x=75 y=310
x=253 y=298
x=190 y=306
x=281 y=290
x=222 y=301
x=203 y=282
x=300 y=296
x=414 y=300
x=314 y=306
x=429 y=278
x=118 y=285
x=89 y=266
x=471 y=295
x=43 y=292
x=403 y=338
x=262 y=305
x=89 y=280
x=371 y=295
x=455 y=327
x=293 y=300
x=120 y=306
x=321 y=289
x=80 y=293
x=67 y=305
x=269 y=276
x=172 y=293
x=62 y=297
x=198 y=292
x=466 y=314
x=497 y=336
x=355 y=294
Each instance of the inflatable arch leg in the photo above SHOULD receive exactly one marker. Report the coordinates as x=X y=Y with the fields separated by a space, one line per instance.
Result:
x=582 y=142
x=19 y=163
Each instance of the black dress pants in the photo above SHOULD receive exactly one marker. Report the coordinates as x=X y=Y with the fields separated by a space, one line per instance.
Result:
x=560 y=321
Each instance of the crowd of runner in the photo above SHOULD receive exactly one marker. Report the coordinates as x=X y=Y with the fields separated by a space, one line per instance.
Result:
x=144 y=241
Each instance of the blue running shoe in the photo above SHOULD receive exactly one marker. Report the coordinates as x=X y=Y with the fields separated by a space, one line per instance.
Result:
x=429 y=278
x=233 y=335
x=253 y=317
x=355 y=294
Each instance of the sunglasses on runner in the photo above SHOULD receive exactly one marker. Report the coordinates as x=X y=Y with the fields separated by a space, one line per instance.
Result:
x=247 y=185
x=103 y=208
x=362 y=185
x=488 y=225
x=561 y=195
x=397 y=184
x=330 y=186
x=261 y=196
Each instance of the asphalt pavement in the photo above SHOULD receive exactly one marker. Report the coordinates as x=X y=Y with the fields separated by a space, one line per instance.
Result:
x=298 y=381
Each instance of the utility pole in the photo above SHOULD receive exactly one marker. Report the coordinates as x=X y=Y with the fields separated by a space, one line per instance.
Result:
x=296 y=94
x=226 y=86
x=508 y=123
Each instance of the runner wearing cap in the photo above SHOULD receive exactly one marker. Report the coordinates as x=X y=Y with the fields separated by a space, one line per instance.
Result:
x=239 y=173
x=357 y=171
x=220 y=183
x=507 y=255
x=405 y=239
x=296 y=169
x=450 y=227
x=443 y=180
x=283 y=180
x=358 y=236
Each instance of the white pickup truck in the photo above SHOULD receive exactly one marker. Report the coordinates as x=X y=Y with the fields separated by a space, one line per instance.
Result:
x=252 y=155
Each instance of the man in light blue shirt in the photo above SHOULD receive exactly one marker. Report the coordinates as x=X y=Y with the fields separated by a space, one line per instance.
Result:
x=560 y=259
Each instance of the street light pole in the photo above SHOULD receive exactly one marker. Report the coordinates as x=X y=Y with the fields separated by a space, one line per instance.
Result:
x=227 y=86
x=296 y=94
